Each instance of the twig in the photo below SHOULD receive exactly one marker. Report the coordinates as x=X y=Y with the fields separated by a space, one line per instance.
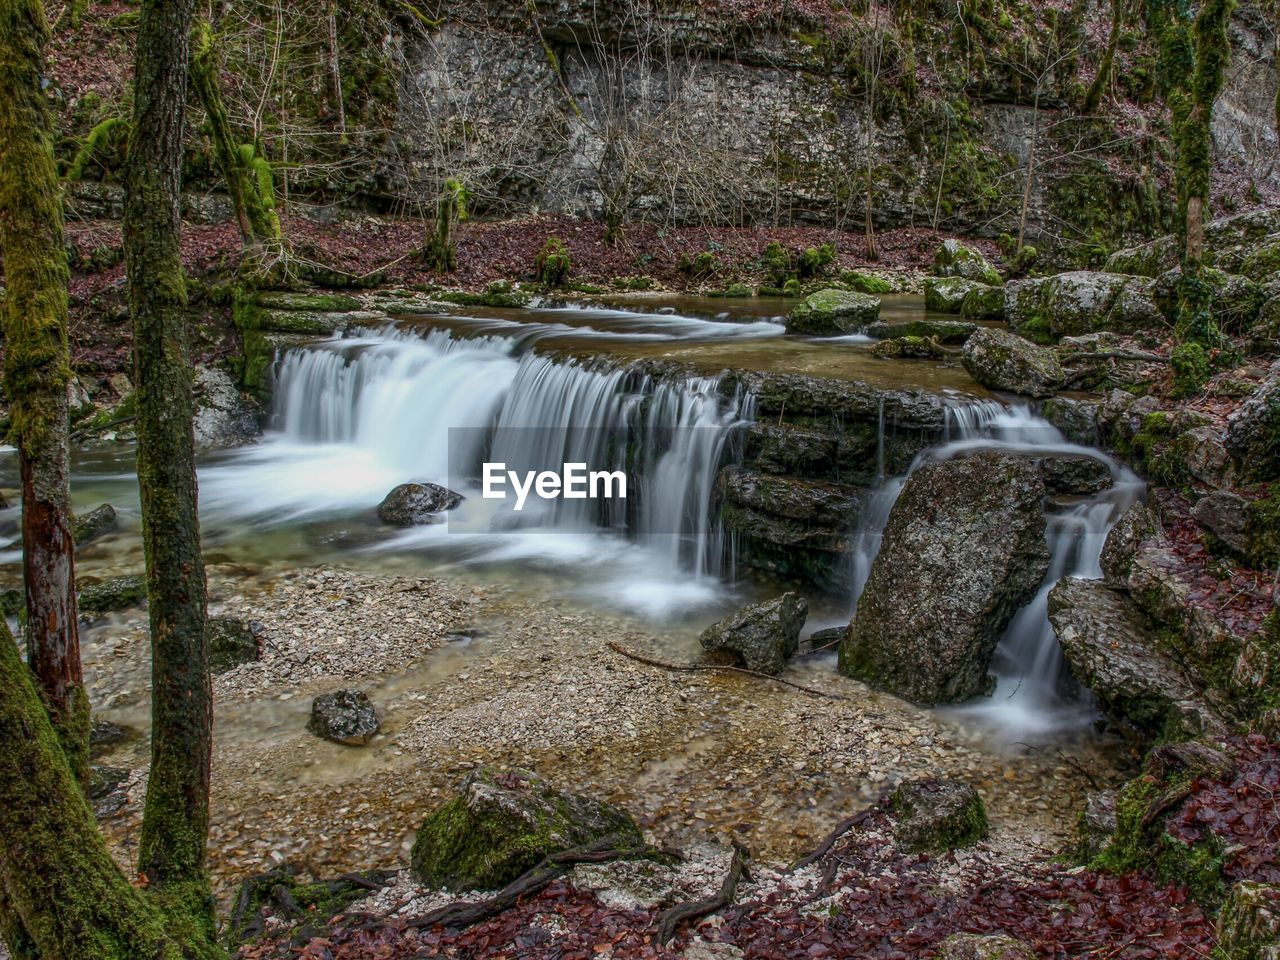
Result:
x=671 y=919
x=700 y=667
x=843 y=827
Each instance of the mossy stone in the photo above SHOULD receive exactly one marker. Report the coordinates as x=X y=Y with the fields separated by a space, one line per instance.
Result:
x=116 y=593
x=936 y=815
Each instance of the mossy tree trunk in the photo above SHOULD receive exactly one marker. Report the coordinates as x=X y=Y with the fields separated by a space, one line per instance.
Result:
x=171 y=850
x=37 y=369
x=440 y=251
x=57 y=877
x=249 y=179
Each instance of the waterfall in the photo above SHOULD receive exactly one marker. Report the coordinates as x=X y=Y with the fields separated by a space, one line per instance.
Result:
x=355 y=417
x=1028 y=664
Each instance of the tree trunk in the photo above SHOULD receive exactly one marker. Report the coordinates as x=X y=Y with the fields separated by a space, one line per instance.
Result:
x=176 y=816
x=37 y=370
x=1094 y=96
x=56 y=873
x=333 y=69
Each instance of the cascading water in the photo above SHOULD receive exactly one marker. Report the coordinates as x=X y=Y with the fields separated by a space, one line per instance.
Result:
x=357 y=416
x=1028 y=666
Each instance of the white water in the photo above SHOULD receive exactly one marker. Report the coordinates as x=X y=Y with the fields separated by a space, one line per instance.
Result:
x=357 y=416
x=1029 y=696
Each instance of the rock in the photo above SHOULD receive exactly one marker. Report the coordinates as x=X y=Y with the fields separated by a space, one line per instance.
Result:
x=103 y=735
x=761 y=635
x=503 y=823
x=1236 y=299
x=231 y=643
x=1097 y=824
x=411 y=504
x=1136 y=526
x=983 y=303
x=954 y=259
x=830 y=312
x=962 y=551
x=79 y=403
x=936 y=815
x=910 y=348
x=1112 y=649
x=344 y=716
x=224 y=417
x=1225 y=516
x=310 y=323
x=946 y=294
x=1249 y=922
x=101 y=519
x=983 y=946
x=116 y=593
x=944 y=331
x=844 y=400
x=1228 y=241
x=629 y=884
x=314 y=302
x=1253 y=430
x=104 y=780
x=1081 y=476
x=1204 y=453
x=1002 y=360
x=1079 y=302
x=1077 y=419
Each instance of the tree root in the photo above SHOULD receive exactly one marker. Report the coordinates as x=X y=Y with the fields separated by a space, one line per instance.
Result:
x=841 y=828
x=671 y=919
x=701 y=667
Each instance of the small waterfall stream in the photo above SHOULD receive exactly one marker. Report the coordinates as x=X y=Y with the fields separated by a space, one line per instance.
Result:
x=1028 y=665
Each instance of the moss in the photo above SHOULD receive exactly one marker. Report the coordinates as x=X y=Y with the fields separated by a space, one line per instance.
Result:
x=115 y=593
x=937 y=816
x=300 y=908
x=1191 y=369
x=699 y=266
x=1264 y=531
x=737 y=290
x=315 y=302
x=791 y=288
x=552 y=266
x=103 y=146
x=866 y=282
x=497 y=295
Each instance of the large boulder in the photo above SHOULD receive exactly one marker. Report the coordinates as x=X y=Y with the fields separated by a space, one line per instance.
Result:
x=1002 y=360
x=1079 y=302
x=944 y=331
x=936 y=815
x=983 y=303
x=964 y=548
x=1253 y=430
x=101 y=519
x=954 y=259
x=503 y=823
x=1112 y=649
x=761 y=635
x=831 y=312
x=413 y=504
x=947 y=294
x=344 y=716
x=1229 y=241
x=1075 y=475
x=224 y=416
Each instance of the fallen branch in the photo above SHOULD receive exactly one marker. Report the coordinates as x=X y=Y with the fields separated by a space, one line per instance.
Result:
x=458 y=916
x=701 y=667
x=841 y=828
x=671 y=919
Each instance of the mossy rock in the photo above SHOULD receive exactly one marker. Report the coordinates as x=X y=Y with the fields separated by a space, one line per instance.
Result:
x=936 y=815
x=495 y=295
x=983 y=303
x=231 y=643
x=304 y=908
x=831 y=312
x=1248 y=926
x=101 y=519
x=954 y=259
x=503 y=823
x=944 y=331
x=116 y=593
x=866 y=282
x=1263 y=263
x=310 y=302
x=947 y=294
x=301 y=321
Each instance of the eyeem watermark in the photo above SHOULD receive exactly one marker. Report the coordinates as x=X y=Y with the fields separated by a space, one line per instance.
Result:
x=572 y=482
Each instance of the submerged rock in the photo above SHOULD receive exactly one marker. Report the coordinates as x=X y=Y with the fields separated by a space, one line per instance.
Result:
x=503 y=823
x=830 y=312
x=344 y=716
x=231 y=643
x=910 y=348
x=954 y=259
x=936 y=815
x=944 y=331
x=412 y=504
x=1112 y=649
x=761 y=635
x=116 y=593
x=101 y=519
x=964 y=548
x=1003 y=360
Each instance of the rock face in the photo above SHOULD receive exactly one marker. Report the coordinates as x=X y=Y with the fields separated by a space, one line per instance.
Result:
x=1003 y=360
x=963 y=549
x=503 y=823
x=412 y=504
x=983 y=303
x=937 y=815
x=954 y=259
x=761 y=635
x=1079 y=302
x=831 y=312
x=1136 y=525
x=101 y=519
x=1253 y=430
x=1113 y=651
x=344 y=716
x=224 y=417
x=1225 y=516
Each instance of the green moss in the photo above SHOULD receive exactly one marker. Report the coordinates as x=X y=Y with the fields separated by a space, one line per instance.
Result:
x=1191 y=369
x=1264 y=531
x=115 y=593
x=105 y=146
x=791 y=288
x=700 y=266
x=866 y=282
x=552 y=266
x=315 y=302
